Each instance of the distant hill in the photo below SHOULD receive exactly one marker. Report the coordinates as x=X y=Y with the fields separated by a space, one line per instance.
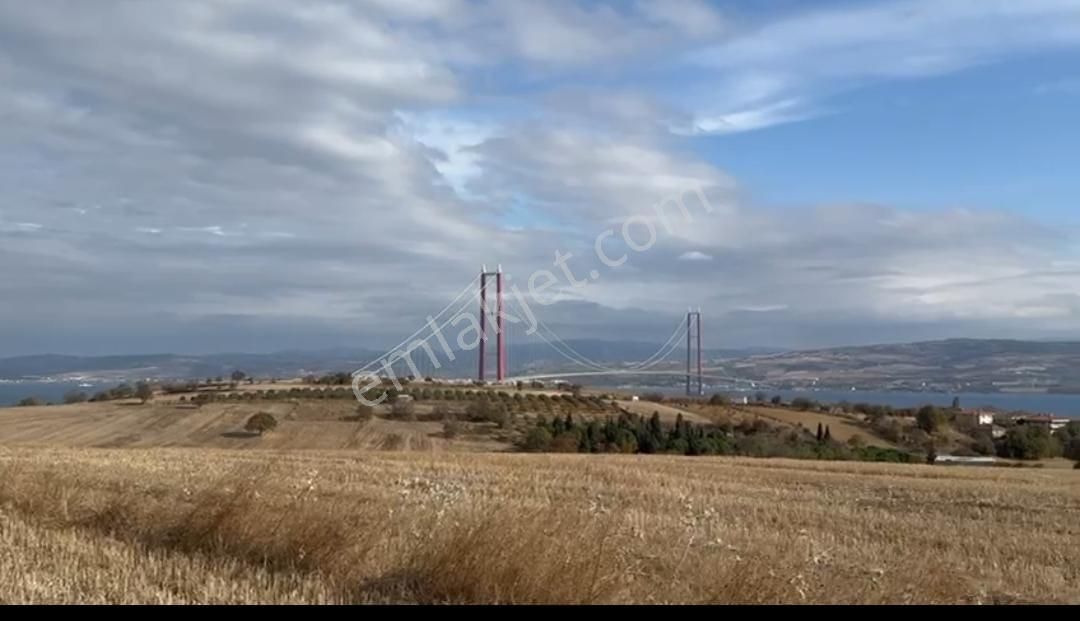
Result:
x=178 y=366
x=533 y=357
x=969 y=365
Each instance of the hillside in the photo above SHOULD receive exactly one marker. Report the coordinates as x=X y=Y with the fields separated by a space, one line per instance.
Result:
x=955 y=365
x=524 y=357
x=304 y=424
x=961 y=365
x=178 y=502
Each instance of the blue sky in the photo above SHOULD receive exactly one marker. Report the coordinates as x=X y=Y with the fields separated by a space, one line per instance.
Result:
x=256 y=175
x=1000 y=136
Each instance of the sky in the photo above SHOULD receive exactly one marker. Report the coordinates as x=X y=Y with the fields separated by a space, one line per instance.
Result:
x=259 y=175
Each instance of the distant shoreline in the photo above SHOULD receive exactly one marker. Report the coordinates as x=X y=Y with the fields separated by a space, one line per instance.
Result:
x=1064 y=405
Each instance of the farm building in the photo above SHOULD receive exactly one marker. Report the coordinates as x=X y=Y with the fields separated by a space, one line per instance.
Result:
x=1053 y=423
x=978 y=418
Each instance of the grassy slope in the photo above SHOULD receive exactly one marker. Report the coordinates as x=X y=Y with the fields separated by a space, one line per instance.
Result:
x=308 y=424
x=840 y=428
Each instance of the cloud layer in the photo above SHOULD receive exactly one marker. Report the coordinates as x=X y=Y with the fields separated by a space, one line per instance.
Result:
x=204 y=176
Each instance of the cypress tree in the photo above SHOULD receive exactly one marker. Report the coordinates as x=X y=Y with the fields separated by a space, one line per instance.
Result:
x=828 y=434
x=592 y=432
x=655 y=428
x=820 y=433
x=557 y=426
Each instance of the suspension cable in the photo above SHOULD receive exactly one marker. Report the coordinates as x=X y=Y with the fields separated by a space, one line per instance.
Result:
x=427 y=325
x=649 y=362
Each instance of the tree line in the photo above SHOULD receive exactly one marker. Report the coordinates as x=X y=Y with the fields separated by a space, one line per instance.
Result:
x=635 y=434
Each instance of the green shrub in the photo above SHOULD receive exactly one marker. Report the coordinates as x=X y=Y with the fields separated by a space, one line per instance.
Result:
x=260 y=423
x=537 y=440
x=1028 y=442
x=403 y=410
x=983 y=444
x=566 y=442
x=451 y=429
x=930 y=418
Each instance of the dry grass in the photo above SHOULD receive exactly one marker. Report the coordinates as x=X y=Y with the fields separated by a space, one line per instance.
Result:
x=841 y=428
x=668 y=414
x=40 y=565
x=212 y=525
x=303 y=424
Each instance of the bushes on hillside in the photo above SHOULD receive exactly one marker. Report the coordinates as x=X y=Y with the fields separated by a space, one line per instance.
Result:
x=485 y=411
x=175 y=388
x=983 y=444
x=76 y=396
x=121 y=391
x=144 y=391
x=719 y=399
x=403 y=410
x=930 y=418
x=1070 y=440
x=537 y=440
x=452 y=428
x=1028 y=442
x=630 y=433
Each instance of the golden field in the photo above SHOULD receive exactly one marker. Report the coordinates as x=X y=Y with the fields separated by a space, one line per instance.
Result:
x=219 y=525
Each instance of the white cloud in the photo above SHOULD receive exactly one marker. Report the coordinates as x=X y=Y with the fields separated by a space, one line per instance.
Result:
x=354 y=163
x=566 y=34
x=24 y=227
x=693 y=17
x=695 y=255
x=755 y=75
x=765 y=308
x=776 y=113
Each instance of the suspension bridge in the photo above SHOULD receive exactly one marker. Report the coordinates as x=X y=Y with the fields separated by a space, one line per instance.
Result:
x=478 y=313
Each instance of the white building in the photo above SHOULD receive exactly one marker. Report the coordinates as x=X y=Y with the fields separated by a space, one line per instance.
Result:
x=979 y=418
x=970 y=461
x=1052 y=423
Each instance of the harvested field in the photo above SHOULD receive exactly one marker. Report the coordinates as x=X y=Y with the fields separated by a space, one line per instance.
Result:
x=351 y=526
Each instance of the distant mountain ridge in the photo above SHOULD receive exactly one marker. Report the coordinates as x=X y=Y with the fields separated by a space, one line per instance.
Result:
x=968 y=365
x=292 y=363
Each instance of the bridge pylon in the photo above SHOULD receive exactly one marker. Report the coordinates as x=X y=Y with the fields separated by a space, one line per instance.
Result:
x=500 y=343
x=693 y=343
